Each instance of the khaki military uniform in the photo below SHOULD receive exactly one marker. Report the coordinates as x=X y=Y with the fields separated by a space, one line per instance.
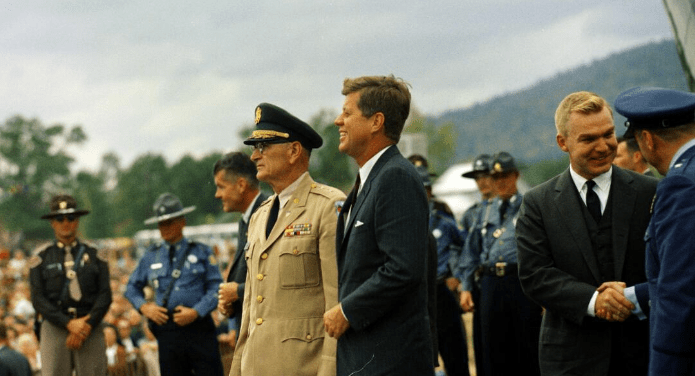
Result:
x=292 y=280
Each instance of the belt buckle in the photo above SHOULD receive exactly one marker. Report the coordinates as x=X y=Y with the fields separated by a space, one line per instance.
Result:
x=72 y=311
x=500 y=268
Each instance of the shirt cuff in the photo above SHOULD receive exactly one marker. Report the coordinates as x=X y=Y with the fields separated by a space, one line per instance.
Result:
x=343 y=312
x=591 y=311
x=629 y=293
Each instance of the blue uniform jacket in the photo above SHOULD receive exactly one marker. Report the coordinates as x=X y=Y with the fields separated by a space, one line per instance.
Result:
x=449 y=242
x=671 y=271
x=470 y=255
x=499 y=243
x=195 y=288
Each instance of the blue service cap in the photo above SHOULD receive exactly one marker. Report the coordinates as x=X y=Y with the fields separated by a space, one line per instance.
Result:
x=481 y=165
x=655 y=108
x=275 y=125
x=502 y=162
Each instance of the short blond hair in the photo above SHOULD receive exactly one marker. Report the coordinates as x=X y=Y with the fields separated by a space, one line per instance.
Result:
x=584 y=102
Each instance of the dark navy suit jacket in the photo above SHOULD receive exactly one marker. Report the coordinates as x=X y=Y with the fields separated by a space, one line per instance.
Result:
x=237 y=273
x=559 y=271
x=382 y=256
x=671 y=271
x=12 y=363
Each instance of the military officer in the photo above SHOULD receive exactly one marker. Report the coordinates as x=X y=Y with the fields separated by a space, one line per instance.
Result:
x=510 y=322
x=70 y=291
x=292 y=271
x=184 y=276
x=473 y=221
x=663 y=123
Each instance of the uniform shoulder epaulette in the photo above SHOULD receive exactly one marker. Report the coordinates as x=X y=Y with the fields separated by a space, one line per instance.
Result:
x=103 y=255
x=34 y=261
x=326 y=190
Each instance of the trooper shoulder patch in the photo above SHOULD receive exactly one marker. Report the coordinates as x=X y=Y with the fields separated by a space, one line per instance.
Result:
x=34 y=261
x=103 y=255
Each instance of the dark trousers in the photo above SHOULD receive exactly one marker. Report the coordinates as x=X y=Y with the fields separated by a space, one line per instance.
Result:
x=451 y=334
x=510 y=325
x=189 y=350
x=478 y=335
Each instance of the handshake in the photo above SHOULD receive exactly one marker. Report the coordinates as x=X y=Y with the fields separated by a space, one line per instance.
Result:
x=611 y=303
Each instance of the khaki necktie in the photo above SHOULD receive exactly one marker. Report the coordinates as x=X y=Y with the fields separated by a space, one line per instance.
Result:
x=75 y=292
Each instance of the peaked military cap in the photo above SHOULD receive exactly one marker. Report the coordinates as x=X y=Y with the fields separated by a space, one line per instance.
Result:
x=655 y=108
x=63 y=204
x=275 y=125
x=481 y=165
x=167 y=206
x=502 y=162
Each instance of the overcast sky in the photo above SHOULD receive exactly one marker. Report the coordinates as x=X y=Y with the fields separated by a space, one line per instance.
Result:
x=182 y=76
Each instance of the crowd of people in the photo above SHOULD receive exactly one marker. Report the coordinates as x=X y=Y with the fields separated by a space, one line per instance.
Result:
x=589 y=273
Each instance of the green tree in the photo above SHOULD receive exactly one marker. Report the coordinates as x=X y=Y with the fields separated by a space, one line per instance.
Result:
x=137 y=189
x=441 y=140
x=35 y=165
x=328 y=165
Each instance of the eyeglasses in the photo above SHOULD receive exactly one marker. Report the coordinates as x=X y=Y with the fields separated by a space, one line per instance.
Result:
x=69 y=217
x=263 y=146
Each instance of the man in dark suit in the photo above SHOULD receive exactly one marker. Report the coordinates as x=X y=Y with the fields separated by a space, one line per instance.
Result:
x=580 y=242
x=12 y=363
x=381 y=322
x=237 y=188
x=663 y=123
x=628 y=156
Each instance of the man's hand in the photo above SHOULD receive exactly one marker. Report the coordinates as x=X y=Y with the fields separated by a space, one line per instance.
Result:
x=452 y=283
x=79 y=327
x=467 y=304
x=611 y=304
x=335 y=322
x=155 y=313
x=184 y=315
x=74 y=342
x=227 y=294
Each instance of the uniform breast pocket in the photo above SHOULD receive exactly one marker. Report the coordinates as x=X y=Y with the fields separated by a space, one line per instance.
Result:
x=54 y=278
x=299 y=264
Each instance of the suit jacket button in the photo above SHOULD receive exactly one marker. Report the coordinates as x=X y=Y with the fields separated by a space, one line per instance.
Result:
x=259 y=321
x=264 y=255
x=260 y=277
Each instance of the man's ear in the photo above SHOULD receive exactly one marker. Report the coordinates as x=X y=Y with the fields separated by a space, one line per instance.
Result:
x=562 y=143
x=378 y=120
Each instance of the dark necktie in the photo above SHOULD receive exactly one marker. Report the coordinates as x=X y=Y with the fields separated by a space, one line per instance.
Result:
x=503 y=209
x=172 y=252
x=592 y=201
x=273 y=216
x=241 y=240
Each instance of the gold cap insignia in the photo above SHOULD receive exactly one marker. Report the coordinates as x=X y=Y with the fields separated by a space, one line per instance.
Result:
x=498 y=167
x=258 y=115
x=63 y=205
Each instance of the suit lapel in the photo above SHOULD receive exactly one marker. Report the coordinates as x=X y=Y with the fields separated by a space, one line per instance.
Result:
x=568 y=204
x=367 y=186
x=622 y=205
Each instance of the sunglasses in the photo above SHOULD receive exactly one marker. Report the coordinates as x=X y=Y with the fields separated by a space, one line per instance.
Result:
x=69 y=217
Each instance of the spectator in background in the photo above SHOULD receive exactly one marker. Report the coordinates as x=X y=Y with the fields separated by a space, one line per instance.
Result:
x=238 y=190
x=12 y=363
x=629 y=156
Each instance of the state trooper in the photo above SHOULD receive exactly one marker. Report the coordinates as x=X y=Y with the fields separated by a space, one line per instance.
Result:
x=474 y=219
x=70 y=291
x=510 y=322
x=450 y=334
x=184 y=276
